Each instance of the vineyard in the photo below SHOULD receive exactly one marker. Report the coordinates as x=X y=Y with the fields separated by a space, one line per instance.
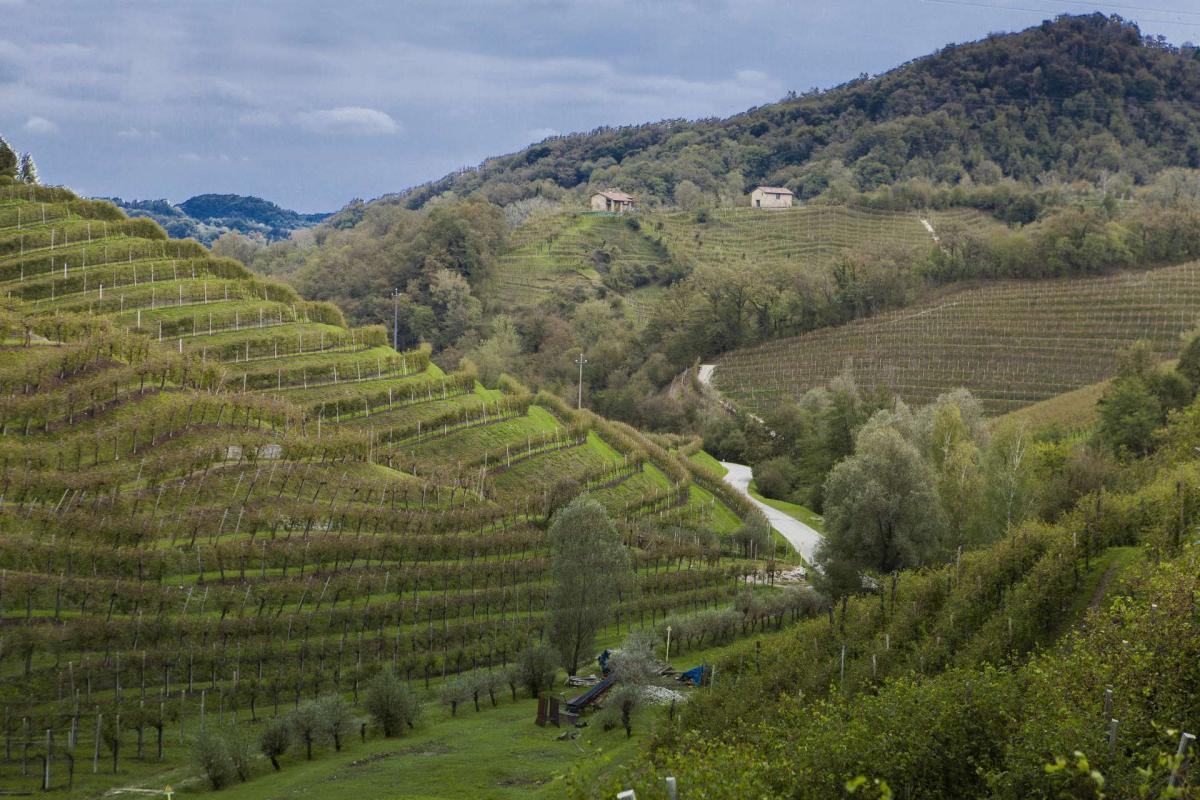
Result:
x=634 y=256
x=569 y=251
x=806 y=237
x=1011 y=344
x=218 y=500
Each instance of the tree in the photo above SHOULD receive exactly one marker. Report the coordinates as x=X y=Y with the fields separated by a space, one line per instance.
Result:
x=589 y=567
x=238 y=246
x=391 y=703
x=337 y=718
x=275 y=739
x=456 y=691
x=1008 y=477
x=689 y=196
x=635 y=667
x=1129 y=415
x=881 y=507
x=1189 y=361
x=308 y=724
x=8 y=160
x=534 y=669
x=211 y=754
x=239 y=744
x=27 y=172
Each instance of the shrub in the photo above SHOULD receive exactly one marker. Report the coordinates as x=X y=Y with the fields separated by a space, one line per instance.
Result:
x=391 y=703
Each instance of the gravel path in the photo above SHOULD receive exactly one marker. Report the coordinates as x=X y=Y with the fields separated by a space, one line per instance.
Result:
x=802 y=537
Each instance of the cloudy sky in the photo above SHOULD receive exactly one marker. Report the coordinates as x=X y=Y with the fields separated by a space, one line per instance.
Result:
x=313 y=103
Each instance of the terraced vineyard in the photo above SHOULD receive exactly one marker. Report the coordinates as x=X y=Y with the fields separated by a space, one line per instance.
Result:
x=552 y=252
x=1011 y=344
x=218 y=499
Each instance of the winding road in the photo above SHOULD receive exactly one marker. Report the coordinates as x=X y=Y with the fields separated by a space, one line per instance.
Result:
x=802 y=537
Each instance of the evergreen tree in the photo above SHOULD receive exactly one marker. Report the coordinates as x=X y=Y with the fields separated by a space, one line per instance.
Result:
x=27 y=172
x=8 y=159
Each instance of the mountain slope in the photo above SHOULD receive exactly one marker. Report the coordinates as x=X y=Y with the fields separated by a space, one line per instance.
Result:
x=1079 y=97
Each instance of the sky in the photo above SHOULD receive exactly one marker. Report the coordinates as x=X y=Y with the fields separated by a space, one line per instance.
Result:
x=311 y=104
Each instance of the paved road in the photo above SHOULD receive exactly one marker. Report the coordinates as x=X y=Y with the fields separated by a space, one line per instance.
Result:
x=802 y=537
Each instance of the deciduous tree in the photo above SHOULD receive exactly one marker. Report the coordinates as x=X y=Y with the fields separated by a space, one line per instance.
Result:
x=589 y=569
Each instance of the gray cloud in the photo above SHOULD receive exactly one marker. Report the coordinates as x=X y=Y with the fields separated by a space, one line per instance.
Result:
x=40 y=125
x=311 y=104
x=348 y=119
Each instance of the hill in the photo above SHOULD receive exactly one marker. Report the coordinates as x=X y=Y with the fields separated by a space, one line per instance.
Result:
x=1011 y=344
x=206 y=217
x=1079 y=97
x=217 y=495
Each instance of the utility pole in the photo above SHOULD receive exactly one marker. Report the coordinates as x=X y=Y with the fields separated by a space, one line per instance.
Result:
x=580 y=361
x=396 y=320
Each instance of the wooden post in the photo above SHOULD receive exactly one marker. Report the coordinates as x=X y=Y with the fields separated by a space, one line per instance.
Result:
x=46 y=769
x=1185 y=741
x=96 y=745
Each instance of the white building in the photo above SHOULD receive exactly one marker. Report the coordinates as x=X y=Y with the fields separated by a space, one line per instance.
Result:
x=771 y=197
x=612 y=200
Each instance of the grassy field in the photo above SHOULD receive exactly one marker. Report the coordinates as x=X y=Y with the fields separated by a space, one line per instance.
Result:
x=1012 y=344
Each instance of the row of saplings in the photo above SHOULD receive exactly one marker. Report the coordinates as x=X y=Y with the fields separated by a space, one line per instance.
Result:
x=230 y=753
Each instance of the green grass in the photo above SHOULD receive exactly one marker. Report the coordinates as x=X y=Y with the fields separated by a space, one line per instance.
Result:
x=805 y=515
x=703 y=459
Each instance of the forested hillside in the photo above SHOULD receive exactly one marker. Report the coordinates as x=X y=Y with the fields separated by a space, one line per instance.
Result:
x=207 y=217
x=1081 y=97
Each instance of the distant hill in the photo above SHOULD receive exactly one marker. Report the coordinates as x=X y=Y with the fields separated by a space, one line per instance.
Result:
x=1076 y=98
x=205 y=217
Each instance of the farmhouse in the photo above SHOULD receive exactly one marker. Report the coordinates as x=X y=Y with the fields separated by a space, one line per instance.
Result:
x=612 y=200
x=771 y=197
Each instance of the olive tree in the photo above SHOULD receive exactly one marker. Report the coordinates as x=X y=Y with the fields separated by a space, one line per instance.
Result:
x=391 y=704
x=275 y=740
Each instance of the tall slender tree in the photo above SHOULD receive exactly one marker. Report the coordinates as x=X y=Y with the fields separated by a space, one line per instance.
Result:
x=590 y=568
x=27 y=172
